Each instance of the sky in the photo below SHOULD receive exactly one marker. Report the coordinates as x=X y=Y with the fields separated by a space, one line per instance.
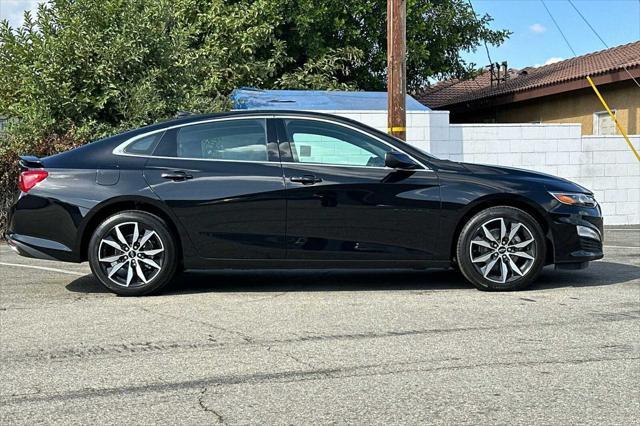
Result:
x=13 y=10
x=535 y=40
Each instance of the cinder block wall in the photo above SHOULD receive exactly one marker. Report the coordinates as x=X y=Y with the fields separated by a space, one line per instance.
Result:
x=603 y=164
x=420 y=124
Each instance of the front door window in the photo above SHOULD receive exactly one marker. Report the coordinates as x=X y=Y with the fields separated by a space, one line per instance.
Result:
x=318 y=142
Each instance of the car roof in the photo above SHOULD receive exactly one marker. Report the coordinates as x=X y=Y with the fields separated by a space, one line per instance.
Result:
x=186 y=119
x=250 y=113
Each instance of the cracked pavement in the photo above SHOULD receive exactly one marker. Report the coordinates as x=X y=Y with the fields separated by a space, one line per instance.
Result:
x=265 y=347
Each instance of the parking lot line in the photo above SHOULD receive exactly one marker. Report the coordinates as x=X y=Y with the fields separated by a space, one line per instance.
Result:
x=43 y=268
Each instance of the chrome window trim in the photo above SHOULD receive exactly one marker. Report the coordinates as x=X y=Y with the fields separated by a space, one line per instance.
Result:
x=119 y=150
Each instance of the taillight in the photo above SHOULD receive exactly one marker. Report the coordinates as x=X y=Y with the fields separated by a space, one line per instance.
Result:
x=29 y=179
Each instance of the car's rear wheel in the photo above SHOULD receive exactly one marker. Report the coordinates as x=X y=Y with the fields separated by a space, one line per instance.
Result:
x=132 y=253
x=501 y=248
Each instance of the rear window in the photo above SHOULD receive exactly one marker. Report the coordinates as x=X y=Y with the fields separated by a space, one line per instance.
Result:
x=145 y=145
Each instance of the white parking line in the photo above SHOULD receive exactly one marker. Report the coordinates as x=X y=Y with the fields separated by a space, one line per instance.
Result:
x=624 y=247
x=621 y=229
x=44 y=268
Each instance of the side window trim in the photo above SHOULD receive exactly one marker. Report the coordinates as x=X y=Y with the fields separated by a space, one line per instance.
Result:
x=284 y=147
x=279 y=119
x=173 y=130
x=272 y=140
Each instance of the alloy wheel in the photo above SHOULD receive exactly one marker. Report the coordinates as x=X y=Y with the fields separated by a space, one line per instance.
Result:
x=502 y=250
x=131 y=254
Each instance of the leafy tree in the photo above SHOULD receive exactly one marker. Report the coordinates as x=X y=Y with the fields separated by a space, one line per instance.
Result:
x=437 y=32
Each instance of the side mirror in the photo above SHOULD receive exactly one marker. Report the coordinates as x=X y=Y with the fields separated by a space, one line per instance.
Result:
x=399 y=160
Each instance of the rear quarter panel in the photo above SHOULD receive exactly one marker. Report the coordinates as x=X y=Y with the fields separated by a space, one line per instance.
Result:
x=55 y=215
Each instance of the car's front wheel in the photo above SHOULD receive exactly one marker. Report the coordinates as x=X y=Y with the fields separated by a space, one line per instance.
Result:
x=132 y=253
x=501 y=248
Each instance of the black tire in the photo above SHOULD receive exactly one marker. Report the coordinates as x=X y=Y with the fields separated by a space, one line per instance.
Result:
x=518 y=262
x=157 y=250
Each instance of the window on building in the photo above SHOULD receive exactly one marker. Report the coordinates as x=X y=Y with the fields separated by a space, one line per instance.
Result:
x=603 y=124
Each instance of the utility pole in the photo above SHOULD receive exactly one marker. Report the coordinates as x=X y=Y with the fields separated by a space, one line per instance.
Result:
x=396 y=67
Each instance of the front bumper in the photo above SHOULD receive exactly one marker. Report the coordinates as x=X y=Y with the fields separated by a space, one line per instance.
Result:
x=569 y=245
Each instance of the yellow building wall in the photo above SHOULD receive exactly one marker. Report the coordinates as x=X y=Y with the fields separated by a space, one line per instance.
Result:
x=578 y=107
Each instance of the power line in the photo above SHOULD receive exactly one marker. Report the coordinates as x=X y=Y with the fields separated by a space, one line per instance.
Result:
x=588 y=24
x=558 y=27
x=598 y=35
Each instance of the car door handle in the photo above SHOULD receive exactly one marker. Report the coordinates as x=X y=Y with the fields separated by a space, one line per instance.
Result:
x=306 y=179
x=177 y=175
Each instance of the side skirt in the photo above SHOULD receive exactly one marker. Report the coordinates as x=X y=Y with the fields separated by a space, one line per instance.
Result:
x=312 y=264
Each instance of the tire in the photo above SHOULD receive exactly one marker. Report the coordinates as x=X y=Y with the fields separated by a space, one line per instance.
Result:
x=490 y=264
x=132 y=266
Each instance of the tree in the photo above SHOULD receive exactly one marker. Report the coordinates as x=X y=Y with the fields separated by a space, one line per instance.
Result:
x=438 y=31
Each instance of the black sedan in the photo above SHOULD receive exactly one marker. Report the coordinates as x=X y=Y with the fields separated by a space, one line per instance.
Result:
x=287 y=189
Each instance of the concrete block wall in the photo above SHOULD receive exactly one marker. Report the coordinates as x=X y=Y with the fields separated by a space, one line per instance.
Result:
x=420 y=124
x=607 y=166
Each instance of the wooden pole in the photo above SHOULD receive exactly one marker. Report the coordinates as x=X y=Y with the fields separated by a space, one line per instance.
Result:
x=396 y=67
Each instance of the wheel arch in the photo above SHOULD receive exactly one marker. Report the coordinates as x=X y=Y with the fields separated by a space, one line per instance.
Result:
x=509 y=200
x=115 y=205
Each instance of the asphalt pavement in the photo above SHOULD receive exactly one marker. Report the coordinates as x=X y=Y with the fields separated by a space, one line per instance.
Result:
x=309 y=347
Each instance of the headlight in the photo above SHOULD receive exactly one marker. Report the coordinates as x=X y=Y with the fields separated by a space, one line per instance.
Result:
x=575 y=199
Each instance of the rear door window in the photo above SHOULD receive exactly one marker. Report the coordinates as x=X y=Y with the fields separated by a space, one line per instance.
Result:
x=238 y=140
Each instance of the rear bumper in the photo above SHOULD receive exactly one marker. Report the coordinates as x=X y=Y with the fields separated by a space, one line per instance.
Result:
x=43 y=229
x=39 y=248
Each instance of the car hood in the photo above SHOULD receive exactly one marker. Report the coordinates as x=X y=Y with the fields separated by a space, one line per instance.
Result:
x=531 y=178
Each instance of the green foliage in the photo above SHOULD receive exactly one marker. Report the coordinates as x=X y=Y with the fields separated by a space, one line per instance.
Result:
x=437 y=32
x=84 y=69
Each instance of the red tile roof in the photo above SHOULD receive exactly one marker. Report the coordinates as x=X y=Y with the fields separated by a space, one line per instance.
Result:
x=451 y=92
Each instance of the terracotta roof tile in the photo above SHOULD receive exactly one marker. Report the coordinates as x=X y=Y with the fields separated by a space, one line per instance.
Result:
x=451 y=92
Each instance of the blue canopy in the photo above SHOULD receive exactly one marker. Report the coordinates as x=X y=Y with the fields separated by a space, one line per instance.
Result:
x=315 y=100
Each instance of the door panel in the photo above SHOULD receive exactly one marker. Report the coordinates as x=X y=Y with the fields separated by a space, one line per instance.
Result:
x=352 y=207
x=231 y=208
x=361 y=213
